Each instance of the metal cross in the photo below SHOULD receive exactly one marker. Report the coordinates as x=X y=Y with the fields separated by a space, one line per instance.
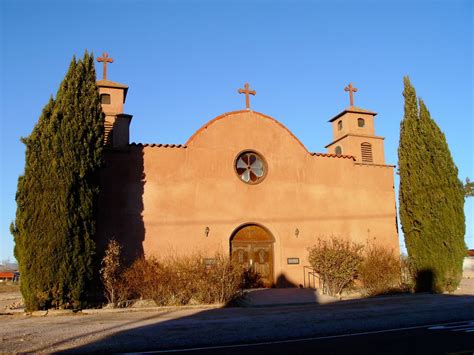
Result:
x=351 y=90
x=247 y=92
x=105 y=58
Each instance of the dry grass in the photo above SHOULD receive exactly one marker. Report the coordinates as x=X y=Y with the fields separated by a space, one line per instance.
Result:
x=9 y=287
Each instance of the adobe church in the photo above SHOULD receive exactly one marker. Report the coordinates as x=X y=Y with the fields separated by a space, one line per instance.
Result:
x=244 y=185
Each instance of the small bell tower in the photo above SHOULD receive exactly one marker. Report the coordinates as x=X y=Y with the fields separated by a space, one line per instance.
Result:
x=354 y=134
x=112 y=98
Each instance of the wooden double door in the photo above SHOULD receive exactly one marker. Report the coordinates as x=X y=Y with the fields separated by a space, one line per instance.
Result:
x=252 y=247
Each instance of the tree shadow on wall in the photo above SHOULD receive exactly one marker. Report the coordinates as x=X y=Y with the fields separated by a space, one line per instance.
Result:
x=120 y=214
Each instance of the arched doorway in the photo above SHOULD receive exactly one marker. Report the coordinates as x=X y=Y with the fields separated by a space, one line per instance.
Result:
x=252 y=247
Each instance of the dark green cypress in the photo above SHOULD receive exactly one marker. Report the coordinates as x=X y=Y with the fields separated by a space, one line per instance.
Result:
x=431 y=199
x=34 y=213
x=57 y=196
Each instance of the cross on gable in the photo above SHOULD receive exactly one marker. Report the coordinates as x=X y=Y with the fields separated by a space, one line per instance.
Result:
x=351 y=90
x=247 y=92
x=105 y=59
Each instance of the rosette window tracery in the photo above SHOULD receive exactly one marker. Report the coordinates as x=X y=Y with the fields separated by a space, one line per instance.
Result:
x=250 y=167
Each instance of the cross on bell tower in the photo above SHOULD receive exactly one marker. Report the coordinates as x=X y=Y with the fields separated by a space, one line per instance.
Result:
x=351 y=90
x=105 y=59
x=112 y=99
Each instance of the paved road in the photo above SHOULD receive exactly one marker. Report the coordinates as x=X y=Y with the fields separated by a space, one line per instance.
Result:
x=452 y=338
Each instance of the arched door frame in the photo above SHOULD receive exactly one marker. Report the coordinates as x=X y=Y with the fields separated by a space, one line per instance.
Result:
x=254 y=244
x=247 y=224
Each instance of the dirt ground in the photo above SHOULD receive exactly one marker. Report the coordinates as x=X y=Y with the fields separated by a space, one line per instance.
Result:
x=9 y=296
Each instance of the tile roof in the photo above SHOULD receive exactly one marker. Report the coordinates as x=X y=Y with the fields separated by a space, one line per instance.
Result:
x=326 y=155
x=157 y=145
x=7 y=274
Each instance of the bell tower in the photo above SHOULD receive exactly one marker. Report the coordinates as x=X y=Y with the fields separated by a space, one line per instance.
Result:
x=354 y=134
x=112 y=99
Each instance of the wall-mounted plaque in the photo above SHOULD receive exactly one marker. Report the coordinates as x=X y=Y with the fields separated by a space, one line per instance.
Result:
x=209 y=261
x=293 y=261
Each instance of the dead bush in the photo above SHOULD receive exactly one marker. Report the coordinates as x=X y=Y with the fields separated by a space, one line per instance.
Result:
x=111 y=275
x=184 y=280
x=145 y=279
x=380 y=272
x=336 y=261
x=251 y=279
x=220 y=281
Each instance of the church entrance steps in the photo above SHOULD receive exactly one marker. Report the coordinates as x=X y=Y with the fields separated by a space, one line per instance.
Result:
x=264 y=297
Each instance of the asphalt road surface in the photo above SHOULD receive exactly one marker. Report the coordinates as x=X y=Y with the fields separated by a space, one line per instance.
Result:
x=450 y=338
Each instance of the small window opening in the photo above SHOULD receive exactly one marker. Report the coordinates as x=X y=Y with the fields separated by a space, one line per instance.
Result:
x=339 y=125
x=338 y=150
x=366 y=150
x=105 y=99
x=361 y=122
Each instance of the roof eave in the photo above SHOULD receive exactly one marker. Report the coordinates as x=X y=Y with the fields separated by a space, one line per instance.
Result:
x=352 y=110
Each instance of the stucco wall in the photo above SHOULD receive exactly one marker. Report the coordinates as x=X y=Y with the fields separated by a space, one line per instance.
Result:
x=350 y=125
x=186 y=189
x=116 y=100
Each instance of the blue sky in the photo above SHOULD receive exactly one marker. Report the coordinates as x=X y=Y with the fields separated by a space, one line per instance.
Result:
x=185 y=61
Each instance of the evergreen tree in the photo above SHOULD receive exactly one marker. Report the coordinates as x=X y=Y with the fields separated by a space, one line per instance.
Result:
x=431 y=198
x=57 y=195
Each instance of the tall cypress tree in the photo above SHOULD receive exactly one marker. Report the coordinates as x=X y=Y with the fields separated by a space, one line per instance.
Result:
x=35 y=210
x=431 y=198
x=57 y=195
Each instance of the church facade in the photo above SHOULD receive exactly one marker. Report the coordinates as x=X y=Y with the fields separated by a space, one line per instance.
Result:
x=245 y=186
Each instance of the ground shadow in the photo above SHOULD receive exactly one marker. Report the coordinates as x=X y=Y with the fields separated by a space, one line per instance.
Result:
x=283 y=282
x=225 y=326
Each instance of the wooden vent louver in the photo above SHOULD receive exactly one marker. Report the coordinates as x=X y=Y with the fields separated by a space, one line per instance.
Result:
x=366 y=149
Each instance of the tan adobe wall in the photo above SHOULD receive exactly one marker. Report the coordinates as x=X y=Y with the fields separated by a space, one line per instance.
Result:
x=349 y=125
x=351 y=145
x=116 y=100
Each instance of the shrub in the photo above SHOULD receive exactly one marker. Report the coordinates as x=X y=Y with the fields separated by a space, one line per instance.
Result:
x=111 y=274
x=219 y=282
x=336 y=261
x=184 y=280
x=380 y=272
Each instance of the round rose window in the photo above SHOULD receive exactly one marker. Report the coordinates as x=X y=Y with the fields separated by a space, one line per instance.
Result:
x=250 y=167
